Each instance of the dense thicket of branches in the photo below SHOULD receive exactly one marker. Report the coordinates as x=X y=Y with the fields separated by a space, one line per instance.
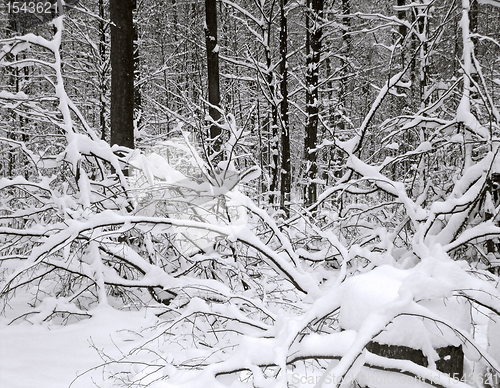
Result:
x=354 y=137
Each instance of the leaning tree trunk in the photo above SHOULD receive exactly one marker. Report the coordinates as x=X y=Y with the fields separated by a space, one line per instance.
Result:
x=122 y=72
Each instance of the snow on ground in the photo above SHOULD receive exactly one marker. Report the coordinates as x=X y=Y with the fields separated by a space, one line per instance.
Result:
x=51 y=357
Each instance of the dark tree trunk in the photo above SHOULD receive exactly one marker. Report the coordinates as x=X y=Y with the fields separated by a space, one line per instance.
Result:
x=473 y=27
x=175 y=22
x=122 y=72
x=274 y=160
x=451 y=358
x=423 y=25
x=103 y=71
x=314 y=32
x=137 y=74
x=402 y=15
x=273 y=120
x=285 y=130
x=473 y=18
x=213 y=71
x=346 y=50
x=337 y=157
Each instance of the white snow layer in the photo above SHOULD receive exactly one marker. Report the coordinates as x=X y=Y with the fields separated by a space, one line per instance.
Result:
x=53 y=356
x=365 y=293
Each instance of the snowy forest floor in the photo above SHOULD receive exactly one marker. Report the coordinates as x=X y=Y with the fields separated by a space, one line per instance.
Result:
x=54 y=356
x=72 y=356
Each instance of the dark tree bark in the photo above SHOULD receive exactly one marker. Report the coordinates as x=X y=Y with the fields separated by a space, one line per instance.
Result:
x=103 y=76
x=122 y=72
x=346 y=48
x=273 y=119
x=314 y=33
x=285 y=130
x=473 y=18
x=137 y=74
x=423 y=25
x=473 y=27
x=213 y=71
x=336 y=158
x=402 y=15
x=174 y=20
x=451 y=358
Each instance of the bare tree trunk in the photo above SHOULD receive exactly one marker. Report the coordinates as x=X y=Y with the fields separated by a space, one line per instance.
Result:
x=285 y=130
x=422 y=24
x=122 y=72
x=451 y=358
x=468 y=70
x=137 y=88
x=273 y=120
x=473 y=18
x=402 y=15
x=103 y=87
x=175 y=21
x=473 y=26
x=337 y=158
x=346 y=49
x=314 y=32
x=262 y=185
x=213 y=72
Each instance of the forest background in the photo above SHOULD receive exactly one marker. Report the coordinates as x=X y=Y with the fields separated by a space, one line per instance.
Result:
x=282 y=182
